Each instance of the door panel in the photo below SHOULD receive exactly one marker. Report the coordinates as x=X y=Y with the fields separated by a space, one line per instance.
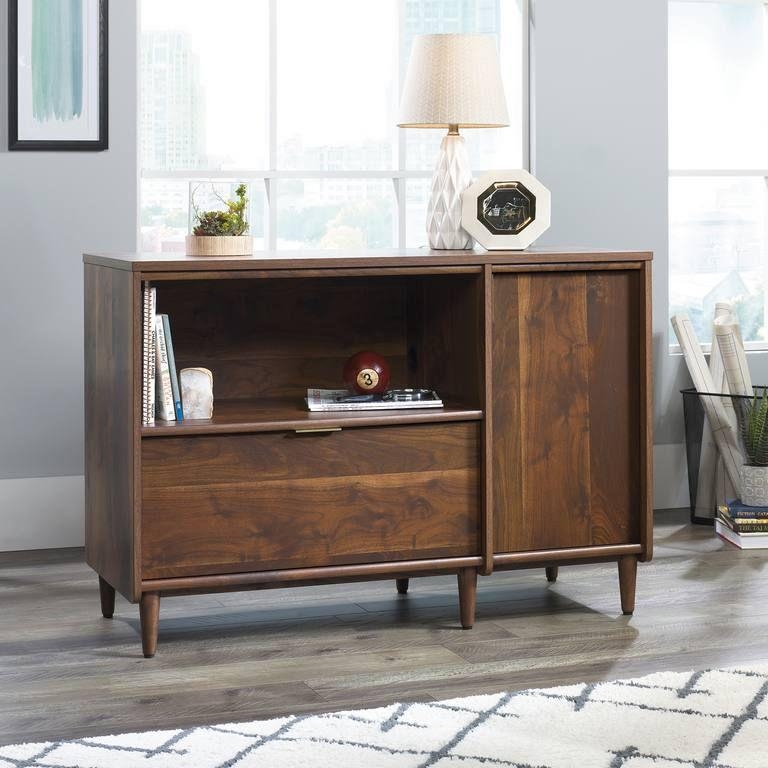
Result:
x=565 y=409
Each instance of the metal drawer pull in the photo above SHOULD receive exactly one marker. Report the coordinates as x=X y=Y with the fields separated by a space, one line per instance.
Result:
x=317 y=430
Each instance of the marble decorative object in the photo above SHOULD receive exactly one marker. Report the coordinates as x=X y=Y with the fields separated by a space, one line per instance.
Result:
x=196 y=393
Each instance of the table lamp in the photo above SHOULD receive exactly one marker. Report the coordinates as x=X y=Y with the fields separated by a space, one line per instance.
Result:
x=452 y=81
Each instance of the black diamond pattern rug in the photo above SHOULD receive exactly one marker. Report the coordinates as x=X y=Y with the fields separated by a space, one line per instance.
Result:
x=710 y=719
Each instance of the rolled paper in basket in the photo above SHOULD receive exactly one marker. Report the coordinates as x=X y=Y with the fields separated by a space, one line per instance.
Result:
x=722 y=431
x=713 y=486
x=729 y=341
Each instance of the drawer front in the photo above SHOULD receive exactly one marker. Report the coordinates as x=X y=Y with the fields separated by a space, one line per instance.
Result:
x=233 y=503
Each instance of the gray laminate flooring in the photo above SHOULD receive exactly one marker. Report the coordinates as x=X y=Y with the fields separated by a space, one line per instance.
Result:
x=66 y=672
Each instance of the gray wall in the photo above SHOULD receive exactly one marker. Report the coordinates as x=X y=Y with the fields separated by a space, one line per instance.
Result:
x=53 y=206
x=599 y=140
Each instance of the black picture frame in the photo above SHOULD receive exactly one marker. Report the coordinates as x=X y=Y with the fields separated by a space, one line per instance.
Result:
x=58 y=145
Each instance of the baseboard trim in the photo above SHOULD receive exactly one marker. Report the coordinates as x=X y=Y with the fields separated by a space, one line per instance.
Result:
x=42 y=513
x=47 y=512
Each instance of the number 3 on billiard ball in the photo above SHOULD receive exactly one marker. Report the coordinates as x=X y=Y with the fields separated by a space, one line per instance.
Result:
x=367 y=379
x=367 y=373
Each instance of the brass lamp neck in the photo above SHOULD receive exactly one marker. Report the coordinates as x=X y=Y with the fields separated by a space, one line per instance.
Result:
x=453 y=129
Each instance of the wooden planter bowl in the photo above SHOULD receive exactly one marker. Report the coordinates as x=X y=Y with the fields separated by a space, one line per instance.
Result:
x=220 y=245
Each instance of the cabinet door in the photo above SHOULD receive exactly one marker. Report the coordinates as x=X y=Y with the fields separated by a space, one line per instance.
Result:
x=566 y=409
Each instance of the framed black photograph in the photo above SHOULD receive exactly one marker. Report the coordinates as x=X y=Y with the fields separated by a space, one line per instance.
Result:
x=57 y=75
x=505 y=210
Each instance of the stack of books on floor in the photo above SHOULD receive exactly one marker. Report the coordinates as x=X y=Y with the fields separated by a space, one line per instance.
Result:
x=742 y=525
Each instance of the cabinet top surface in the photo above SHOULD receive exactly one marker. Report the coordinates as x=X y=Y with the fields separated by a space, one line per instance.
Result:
x=413 y=257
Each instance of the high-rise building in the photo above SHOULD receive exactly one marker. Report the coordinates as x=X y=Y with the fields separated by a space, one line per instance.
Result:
x=172 y=126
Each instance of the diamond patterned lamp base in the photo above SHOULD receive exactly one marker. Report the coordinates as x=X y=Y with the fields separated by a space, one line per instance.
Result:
x=452 y=176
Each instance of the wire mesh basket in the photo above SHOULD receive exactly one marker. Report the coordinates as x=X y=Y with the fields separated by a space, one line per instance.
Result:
x=695 y=421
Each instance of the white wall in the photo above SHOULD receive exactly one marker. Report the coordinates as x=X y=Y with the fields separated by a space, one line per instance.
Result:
x=53 y=206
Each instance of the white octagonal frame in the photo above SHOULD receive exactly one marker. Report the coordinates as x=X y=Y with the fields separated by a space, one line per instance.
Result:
x=522 y=239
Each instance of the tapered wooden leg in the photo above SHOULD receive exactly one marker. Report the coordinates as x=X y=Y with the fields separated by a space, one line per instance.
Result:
x=149 y=611
x=551 y=571
x=627 y=581
x=402 y=586
x=107 y=593
x=467 y=596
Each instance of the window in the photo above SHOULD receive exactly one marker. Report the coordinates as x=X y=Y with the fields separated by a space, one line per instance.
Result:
x=718 y=155
x=300 y=101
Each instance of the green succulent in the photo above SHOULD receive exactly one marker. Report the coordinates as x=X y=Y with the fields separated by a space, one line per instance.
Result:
x=227 y=222
x=754 y=430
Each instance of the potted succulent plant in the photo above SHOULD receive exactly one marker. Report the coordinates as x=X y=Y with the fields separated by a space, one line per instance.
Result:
x=222 y=232
x=754 y=432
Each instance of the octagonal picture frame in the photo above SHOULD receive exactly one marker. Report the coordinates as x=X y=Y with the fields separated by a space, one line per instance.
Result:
x=506 y=210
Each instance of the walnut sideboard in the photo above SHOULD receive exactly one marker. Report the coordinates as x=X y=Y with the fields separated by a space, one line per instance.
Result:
x=540 y=457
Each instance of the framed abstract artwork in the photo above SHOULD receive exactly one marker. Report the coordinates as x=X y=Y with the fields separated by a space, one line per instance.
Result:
x=57 y=75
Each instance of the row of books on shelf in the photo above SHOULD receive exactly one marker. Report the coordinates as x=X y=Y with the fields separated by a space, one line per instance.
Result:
x=161 y=394
x=742 y=525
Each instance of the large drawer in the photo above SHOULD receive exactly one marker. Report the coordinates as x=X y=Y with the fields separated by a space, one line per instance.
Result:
x=233 y=503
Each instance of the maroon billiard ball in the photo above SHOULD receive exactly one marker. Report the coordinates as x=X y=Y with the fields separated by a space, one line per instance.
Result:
x=367 y=373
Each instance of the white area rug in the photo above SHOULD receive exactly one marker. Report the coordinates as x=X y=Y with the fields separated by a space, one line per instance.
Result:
x=711 y=719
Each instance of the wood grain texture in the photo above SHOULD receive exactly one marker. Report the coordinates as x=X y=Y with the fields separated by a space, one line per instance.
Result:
x=537 y=461
x=646 y=413
x=615 y=319
x=235 y=459
x=552 y=357
x=627 y=583
x=274 y=501
x=279 y=415
x=149 y=612
x=110 y=425
x=567 y=383
x=255 y=655
x=488 y=529
x=264 y=525
x=274 y=338
x=107 y=595
x=467 y=580
x=312 y=576
x=506 y=454
x=371 y=261
x=448 y=339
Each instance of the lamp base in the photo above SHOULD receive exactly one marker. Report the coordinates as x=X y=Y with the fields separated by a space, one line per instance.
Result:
x=452 y=176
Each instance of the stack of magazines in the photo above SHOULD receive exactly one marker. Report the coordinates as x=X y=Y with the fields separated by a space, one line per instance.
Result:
x=343 y=400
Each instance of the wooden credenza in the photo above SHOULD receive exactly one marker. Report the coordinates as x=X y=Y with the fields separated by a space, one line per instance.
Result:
x=541 y=456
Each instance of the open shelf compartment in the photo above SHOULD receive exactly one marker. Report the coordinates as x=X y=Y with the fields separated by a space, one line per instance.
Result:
x=267 y=341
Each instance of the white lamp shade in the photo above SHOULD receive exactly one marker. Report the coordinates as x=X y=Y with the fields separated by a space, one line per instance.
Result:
x=453 y=80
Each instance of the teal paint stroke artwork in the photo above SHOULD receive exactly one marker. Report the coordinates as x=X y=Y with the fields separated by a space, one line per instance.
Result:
x=57 y=60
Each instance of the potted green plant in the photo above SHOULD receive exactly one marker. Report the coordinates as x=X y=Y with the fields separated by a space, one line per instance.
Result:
x=222 y=232
x=754 y=432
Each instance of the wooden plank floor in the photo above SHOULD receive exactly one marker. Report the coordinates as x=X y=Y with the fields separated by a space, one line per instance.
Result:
x=65 y=672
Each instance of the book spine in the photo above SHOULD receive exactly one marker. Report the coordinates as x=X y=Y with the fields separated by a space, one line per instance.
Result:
x=148 y=356
x=176 y=392
x=750 y=530
x=736 y=509
x=165 y=407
